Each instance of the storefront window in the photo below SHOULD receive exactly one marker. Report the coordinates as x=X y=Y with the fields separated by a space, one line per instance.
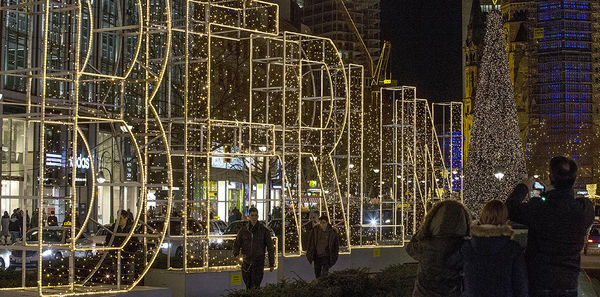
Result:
x=14 y=141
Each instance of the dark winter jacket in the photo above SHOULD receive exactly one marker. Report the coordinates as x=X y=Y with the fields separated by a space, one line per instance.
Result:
x=252 y=242
x=16 y=223
x=436 y=246
x=52 y=220
x=493 y=264
x=333 y=248
x=557 y=228
x=119 y=236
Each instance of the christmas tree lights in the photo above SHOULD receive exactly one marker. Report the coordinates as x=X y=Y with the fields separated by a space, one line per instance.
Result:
x=495 y=163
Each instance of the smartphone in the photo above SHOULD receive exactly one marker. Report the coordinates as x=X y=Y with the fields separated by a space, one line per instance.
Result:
x=538 y=189
x=539 y=186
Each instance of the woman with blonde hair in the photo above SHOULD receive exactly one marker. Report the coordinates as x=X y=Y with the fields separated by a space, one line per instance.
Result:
x=493 y=264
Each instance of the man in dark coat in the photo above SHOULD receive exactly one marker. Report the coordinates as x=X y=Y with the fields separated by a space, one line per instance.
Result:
x=52 y=220
x=436 y=246
x=557 y=228
x=16 y=225
x=252 y=240
x=323 y=247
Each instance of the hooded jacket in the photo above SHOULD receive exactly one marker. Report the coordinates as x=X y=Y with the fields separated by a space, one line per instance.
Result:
x=493 y=264
x=252 y=242
x=557 y=228
x=436 y=246
x=333 y=247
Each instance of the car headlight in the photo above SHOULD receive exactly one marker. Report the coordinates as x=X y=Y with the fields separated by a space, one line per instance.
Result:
x=373 y=222
x=47 y=253
x=220 y=240
x=165 y=245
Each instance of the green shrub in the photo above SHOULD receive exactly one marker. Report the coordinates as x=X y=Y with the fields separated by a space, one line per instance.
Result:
x=395 y=280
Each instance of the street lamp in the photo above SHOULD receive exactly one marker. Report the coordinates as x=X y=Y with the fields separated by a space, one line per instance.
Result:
x=499 y=173
x=101 y=179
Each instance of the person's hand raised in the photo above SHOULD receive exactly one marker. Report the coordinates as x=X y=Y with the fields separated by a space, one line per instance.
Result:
x=528 y=181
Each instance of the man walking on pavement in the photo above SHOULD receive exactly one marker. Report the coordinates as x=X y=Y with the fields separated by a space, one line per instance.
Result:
x=252 y=240
x=558 y=224
x=323 y=247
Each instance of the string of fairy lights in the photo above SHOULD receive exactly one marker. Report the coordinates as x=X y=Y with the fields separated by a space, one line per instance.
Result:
x=177 y=86
x=495 y=163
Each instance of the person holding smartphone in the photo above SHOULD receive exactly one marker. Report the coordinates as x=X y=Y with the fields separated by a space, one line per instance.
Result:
x=557 y=225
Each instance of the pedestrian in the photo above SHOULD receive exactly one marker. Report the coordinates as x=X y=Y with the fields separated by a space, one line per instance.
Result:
x=557 y=224
x=116 y=236
x=5 y=223
x=323 y=247
x=27 y=220
x=491 y=259
x=252 y=240
x=52 y=219
x=14 y=226
x=436 y=246
x=35 y=219
x=230 y=217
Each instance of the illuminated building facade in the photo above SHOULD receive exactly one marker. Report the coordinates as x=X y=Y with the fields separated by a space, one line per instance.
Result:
x=328 y=19
x=565 y=86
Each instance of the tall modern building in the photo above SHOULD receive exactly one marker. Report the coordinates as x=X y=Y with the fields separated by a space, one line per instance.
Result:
x=565 y=86
x=328 y=18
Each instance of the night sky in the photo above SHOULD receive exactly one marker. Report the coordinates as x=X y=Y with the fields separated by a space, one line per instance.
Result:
x=426 y=45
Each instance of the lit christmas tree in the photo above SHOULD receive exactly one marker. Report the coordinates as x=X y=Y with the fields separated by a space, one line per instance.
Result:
x=495 y=163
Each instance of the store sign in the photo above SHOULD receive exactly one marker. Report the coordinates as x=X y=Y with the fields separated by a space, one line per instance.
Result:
x=56 y=160
x=313 y=183
x=81 y=162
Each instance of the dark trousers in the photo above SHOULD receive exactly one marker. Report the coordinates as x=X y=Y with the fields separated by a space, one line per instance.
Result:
x=321 y=266
x=252 y=275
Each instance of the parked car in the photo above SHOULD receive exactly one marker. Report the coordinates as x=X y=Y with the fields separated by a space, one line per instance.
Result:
x=100 y=236
x=218 y=225
x=4 y=259
x=173 y=243
x=592 y=242
x=51 y=235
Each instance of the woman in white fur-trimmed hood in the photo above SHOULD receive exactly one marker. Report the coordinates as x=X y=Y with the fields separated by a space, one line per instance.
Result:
x=493 y=264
